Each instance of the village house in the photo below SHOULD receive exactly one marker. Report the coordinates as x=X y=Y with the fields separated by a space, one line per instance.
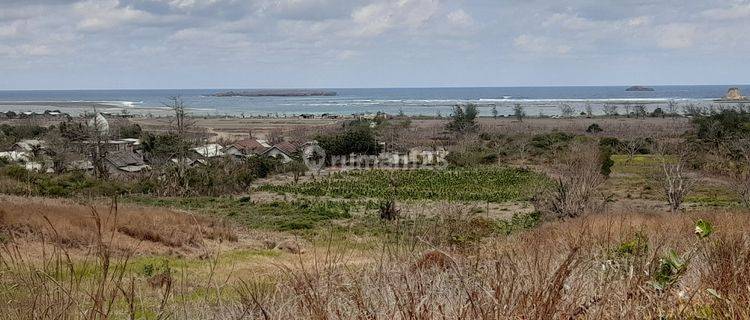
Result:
x=248 y=147
x=211 y=150
x=125 y=161
x=29 y=145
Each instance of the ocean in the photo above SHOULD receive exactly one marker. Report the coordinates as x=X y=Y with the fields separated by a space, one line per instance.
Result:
x=410 y=101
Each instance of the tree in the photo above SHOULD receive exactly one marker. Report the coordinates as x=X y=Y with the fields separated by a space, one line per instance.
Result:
x=463 y=118
x=610 y=110
x=640 y=111
x=180 y=127
x=675 y=178
x=518 y=112
x=96 y=135
x=633 y=146
x=567 y=110
x=739 y=179
x=579 y=180
x=672 y=108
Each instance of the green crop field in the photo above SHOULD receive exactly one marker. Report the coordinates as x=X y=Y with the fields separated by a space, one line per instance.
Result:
x=492 y=184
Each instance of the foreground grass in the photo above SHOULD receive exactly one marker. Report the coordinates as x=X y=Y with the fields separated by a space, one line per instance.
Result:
x=595 y=267
x=487 y=184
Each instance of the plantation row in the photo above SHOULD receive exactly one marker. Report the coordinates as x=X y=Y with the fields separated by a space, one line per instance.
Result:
x=492 y=184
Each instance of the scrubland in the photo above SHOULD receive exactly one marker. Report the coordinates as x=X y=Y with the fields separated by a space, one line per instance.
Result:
x=532 y=219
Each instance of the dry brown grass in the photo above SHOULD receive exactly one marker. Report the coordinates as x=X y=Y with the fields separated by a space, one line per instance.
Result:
x=562 y=270
x=573 y=269
x=152 y=230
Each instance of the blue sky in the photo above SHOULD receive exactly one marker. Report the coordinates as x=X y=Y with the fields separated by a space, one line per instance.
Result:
x=69 y=44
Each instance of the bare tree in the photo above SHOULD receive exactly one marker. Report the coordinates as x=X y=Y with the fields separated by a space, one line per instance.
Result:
x=628 y=108
x=181 y=126
x=739 y=180
x=575 y=191
x=675 y=177
x=610 y=110
x=518 y=112
x=640 y=111
x=567 y=110
x=632 y=147
x=97 y=138
x=672 y=108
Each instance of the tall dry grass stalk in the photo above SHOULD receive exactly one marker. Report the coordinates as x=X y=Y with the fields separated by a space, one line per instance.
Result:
x=592 y=267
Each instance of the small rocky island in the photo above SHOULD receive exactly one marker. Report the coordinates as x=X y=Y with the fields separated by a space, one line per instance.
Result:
x=639 y=88
x=734 y=94
x=275 y=93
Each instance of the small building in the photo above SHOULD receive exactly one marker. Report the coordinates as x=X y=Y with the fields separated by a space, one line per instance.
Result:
x=29 y=145
x=126 y=161
x=248 y=147
x=278 y=153
x=15 y=156
x=209 y=151
x=129 y=144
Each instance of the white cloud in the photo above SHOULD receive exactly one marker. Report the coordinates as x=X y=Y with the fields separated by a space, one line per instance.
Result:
x=676 y=36
x=460 y=18
x=105 y=14
x=541 y=45
x=736 y=11
x=378 y=18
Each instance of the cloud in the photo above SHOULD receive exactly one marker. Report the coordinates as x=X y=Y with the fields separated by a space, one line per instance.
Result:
x=540 y=45
x=378 y=18
x=98 y=15
x=460 y=18
x=736 y=11
x=676 y=36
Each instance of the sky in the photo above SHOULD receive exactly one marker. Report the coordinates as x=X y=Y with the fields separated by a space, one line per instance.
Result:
x=141 y=44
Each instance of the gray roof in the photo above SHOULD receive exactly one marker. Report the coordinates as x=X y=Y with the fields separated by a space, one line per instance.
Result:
x=124 y=158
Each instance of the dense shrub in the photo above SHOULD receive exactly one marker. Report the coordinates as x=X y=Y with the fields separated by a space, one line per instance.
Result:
x=551 y=141
x=463 y=118
x=19 y=132
x=722 y=125
x=470 y=158
x=358 y=139
x=594 y=128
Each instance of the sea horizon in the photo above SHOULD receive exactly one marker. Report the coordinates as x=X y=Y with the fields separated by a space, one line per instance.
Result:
x=425 y=101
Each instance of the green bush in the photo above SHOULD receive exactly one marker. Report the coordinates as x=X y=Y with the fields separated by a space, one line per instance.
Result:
x=551 y=141
x=358 y=139
x=594 y=128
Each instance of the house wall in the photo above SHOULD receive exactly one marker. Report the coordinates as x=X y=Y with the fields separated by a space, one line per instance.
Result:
x=276 y=153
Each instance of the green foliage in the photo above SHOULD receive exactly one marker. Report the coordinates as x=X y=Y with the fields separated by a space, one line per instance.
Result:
x=463 y=118
x=634 y=247
x=519 y=222
x=16 y=172
x=20 y=132
x=358 y=139
x=658 y=112
x=164 y=146
x=491 y=184
x=722 y=126
x=472 y=157
x=130 y=131
x=703 y=228
x=276 y=215
x=610 y=142
x=605 y=157
x=551 y=141
x=670 y=268
x=594 y=128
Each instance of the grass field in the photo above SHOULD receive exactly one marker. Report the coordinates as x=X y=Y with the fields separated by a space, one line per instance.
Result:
x=487 y=184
